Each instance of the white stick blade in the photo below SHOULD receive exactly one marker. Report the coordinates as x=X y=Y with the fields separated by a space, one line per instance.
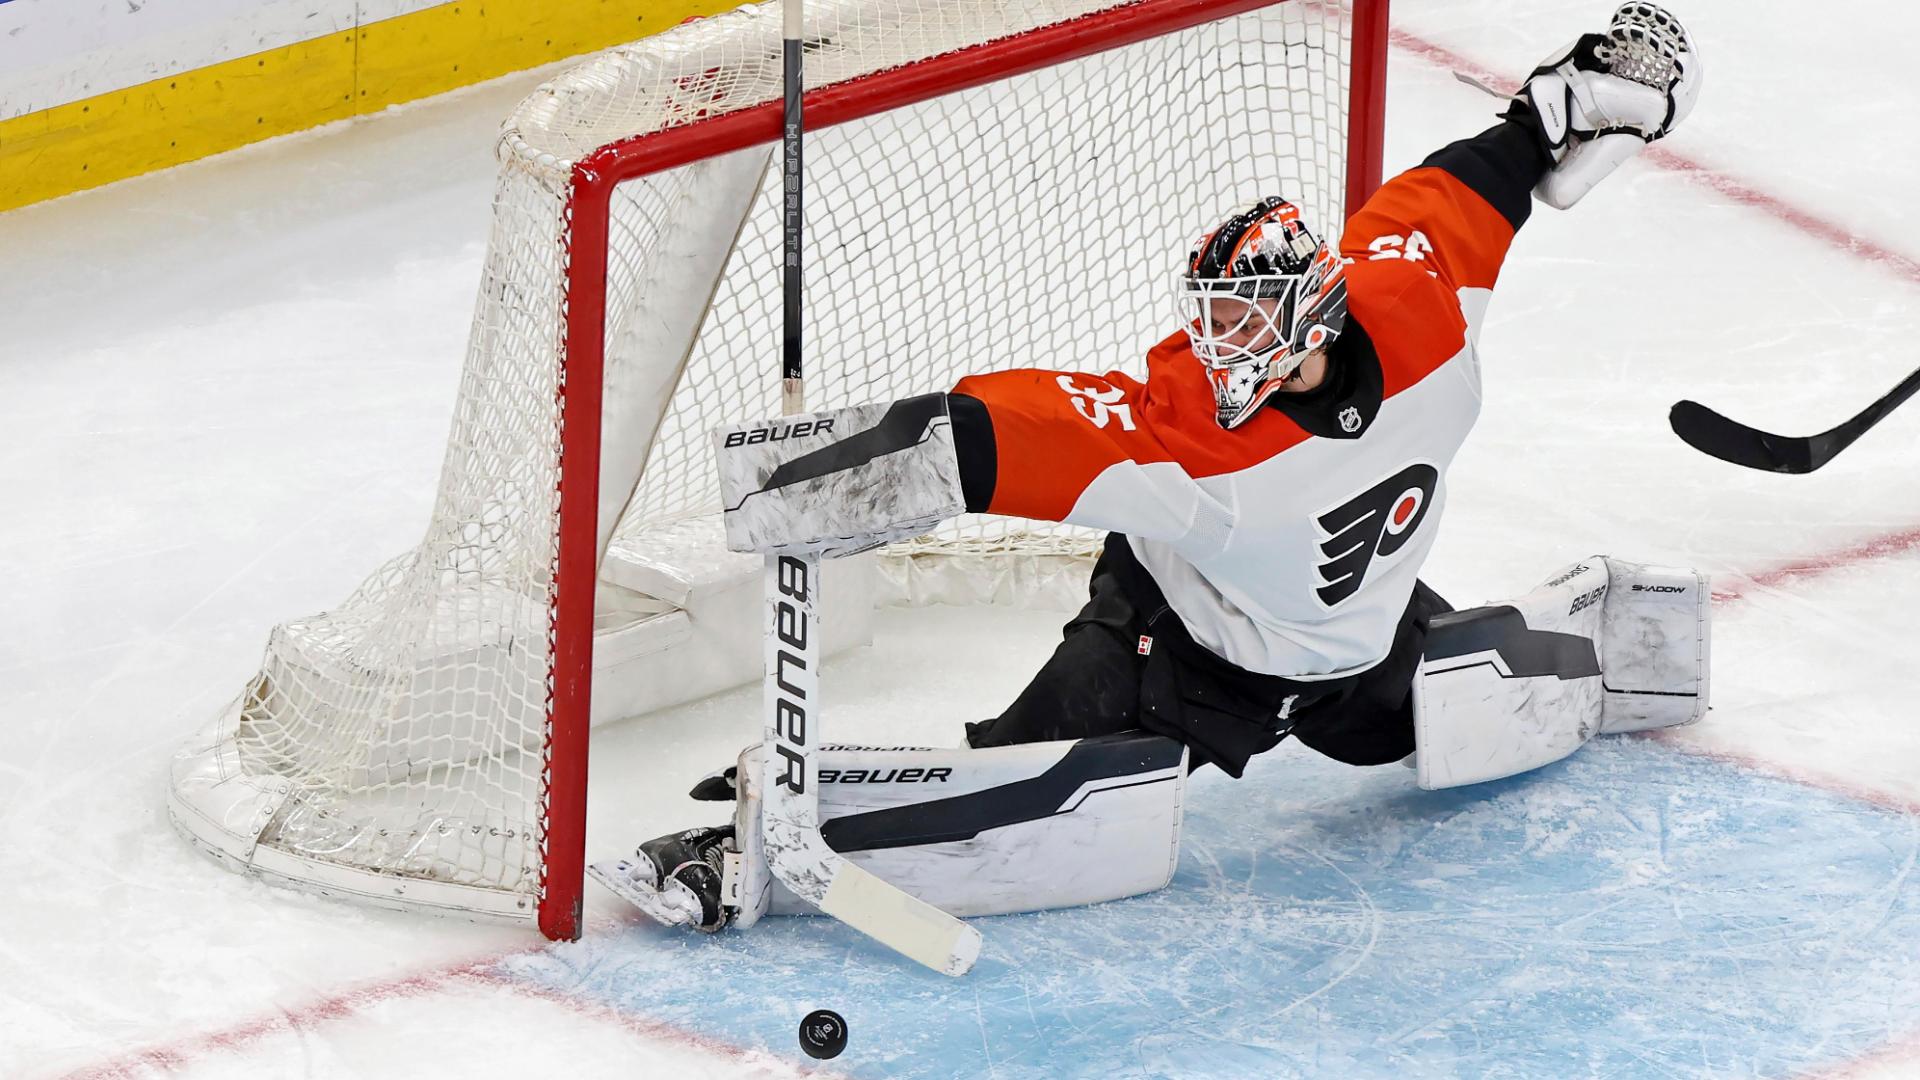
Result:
x=906 y=924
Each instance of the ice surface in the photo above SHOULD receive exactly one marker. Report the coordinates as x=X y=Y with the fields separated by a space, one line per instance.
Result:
x=225 y=389
x=1631 y=911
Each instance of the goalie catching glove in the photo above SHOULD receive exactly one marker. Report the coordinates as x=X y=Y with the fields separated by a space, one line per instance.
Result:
x=840 y=482
x=1601 y=99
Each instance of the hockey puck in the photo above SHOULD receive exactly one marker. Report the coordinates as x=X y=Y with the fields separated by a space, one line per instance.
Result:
x=823 y=1034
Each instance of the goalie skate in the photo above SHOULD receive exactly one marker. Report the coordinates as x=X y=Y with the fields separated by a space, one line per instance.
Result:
x=675 y=880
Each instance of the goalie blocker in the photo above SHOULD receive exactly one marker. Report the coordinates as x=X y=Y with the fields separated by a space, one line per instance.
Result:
x=839 y=482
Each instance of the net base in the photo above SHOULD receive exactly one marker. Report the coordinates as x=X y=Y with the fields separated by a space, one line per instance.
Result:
x=240 y=818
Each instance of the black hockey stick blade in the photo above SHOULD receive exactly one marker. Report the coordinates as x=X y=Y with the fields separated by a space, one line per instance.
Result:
x=1715 y=435
x=1710 y=433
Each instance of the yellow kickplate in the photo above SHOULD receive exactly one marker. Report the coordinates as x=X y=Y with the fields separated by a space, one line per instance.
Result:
x=176 y=119
x=209 y=110
x=454 y=45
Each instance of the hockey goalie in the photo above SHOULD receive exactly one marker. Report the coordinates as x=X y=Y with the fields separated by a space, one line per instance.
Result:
x=1271 y=490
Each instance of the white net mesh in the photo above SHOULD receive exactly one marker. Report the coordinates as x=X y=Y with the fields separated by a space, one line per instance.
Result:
x=1033 y=221
x=940 y=246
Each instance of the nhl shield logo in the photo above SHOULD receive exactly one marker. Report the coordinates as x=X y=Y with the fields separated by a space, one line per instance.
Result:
x=1350 y=419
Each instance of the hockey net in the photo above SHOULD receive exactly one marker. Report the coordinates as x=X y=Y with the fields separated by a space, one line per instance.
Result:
x=991 y=185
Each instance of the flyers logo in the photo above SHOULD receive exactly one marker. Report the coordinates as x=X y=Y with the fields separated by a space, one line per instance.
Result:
x=1377 y=522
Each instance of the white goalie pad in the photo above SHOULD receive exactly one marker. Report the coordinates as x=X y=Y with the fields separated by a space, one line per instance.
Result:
x=1604 y=647
x=834 y=483
x=1654 y=635
x=985 y=832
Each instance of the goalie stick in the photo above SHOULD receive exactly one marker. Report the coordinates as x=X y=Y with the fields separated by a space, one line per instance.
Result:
x=790 y=797
x=1711 y=433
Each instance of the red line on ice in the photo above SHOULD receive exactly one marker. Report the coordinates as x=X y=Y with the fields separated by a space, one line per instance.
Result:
x=1743 y=587
x=1659 y=156
x=1774 y=767
x=239 y=1037
x=640 y=1025
x=341 y=1006
x=1847 y=242
x=176 y=1054
x=1893 y=543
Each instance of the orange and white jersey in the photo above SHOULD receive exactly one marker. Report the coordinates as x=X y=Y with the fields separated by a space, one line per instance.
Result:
x=1289 y=545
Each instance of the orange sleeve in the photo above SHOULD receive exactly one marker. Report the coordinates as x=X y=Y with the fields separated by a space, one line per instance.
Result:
x=1429 y=217
x=1413 y=318
x=1055 y=431
x=1112 y=451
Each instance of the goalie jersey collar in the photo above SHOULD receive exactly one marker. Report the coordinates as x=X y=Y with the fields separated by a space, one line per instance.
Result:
x=1344 y=406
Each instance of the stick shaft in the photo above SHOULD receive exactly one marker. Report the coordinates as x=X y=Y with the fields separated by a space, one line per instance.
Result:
x=791 y=720
x=790 y=726
x=792 y=181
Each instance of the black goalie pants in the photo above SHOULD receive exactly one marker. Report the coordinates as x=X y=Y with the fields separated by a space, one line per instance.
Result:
x=1127 y=663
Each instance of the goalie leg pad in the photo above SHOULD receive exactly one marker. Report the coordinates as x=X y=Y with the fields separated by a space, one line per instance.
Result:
x=987 y=831
x=1605 y=646
x=1654 y=637
x=835 y=483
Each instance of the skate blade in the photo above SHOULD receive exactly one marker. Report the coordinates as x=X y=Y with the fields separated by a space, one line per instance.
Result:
x=673 y=906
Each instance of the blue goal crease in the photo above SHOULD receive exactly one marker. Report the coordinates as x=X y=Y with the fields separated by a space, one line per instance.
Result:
x=1632 y=911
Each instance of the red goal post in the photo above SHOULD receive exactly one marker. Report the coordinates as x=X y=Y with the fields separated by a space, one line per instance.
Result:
x=425 y=745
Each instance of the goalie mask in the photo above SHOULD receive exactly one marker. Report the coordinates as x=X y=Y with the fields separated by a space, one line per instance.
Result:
x=1260 y=293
